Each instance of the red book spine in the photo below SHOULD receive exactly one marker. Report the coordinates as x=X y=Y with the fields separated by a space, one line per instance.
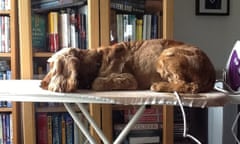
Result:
x=53 y=42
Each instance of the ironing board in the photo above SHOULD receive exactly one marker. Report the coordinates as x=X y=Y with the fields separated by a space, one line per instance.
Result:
x=29 y=91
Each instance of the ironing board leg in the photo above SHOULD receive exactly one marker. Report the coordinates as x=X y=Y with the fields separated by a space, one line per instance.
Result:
x=93 y=123
x=76 y=119
x=129 y=125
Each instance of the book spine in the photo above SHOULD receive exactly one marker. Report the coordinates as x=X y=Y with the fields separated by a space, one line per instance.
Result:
x=154 y=27
x=126 y=28
x=63 y=33
x=69 y=129
x=149 y=24
x=11 y=127
x=128 y=6
x=73 y=30
x=4 y=128
x=53 y=31
x=7 y=30
x=39 y=32
x=42 y=128
x=119 y=27
x=3 y=34
x=8 y=137
x=83 y=32
x=139 y=126
x=139 y=31
x=63 y=128
x=49 y=129
x=1 y=128
x=56 y=126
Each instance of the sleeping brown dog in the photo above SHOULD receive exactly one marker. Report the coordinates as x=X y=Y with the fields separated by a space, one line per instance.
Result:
x=160 y=65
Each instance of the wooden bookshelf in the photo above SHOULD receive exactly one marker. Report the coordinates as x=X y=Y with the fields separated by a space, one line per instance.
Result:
x=27 y=55
x=13 y=59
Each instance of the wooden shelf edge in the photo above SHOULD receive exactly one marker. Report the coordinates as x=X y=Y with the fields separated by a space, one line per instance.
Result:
x=6 y=109
x=5 y=55
x=4 y=12
x=42 y=54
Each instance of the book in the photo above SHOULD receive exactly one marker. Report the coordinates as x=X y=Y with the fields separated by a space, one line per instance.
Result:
x=11 y=127
x=64 y=29
x=56 y=128
x=63 y=130
x=119 y=27
x=139 y=30
x=154 y=27
x=132 y=27
x=39 y=32
x=82 y=27
x=1 y=129
x=8 y=128
x=69 y=129
x=126 y=28
x=7 y=34
x=73 y=21
x=49 y=129
x=139 y=126
x=42 y=127
x=145 y=136
x=4 y=128
x=134 y=6
x=53 y=34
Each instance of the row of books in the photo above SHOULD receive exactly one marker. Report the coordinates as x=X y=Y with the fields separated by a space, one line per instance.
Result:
x=5 y=4
x=46 y=4
x=150 y=115
x=5 y=72
x=146 y=130
x=151 y=135
x=129 y=27
x=58 y=128
x=60 y=29
x=6 y=132
x=5 y=34
x=133 y=6
x=149 y=123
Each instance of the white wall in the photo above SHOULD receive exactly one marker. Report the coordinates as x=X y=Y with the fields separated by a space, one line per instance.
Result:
x=216 y=35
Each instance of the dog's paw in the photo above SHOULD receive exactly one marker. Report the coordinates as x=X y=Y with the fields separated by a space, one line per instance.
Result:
x=60 y=84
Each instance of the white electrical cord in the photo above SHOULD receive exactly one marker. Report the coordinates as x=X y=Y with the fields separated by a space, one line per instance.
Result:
x=185 y=134
x=233 y=127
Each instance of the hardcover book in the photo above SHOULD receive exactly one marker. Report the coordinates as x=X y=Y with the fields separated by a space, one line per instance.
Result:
x=39 y=33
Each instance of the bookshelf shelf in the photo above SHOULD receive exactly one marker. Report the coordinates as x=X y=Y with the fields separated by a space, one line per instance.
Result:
x=5 y=55
x=54 y=109
x=5 y=12
x=6 y=109
x=43 y=54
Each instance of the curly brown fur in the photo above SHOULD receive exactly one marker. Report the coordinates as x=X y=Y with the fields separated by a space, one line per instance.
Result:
x=160 y=65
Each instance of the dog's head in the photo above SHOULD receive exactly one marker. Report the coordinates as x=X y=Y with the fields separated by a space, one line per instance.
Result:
x=70 y=69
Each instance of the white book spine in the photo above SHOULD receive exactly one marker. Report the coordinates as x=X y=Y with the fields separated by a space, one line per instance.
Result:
x=64 y=22
x=72 y=31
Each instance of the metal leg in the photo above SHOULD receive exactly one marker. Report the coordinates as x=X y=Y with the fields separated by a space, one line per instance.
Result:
x=85 y=131
x=130 y=124
x=92 y=123
x=76 y=119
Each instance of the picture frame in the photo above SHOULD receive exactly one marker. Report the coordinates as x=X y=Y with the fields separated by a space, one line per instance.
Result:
x=212 y=7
